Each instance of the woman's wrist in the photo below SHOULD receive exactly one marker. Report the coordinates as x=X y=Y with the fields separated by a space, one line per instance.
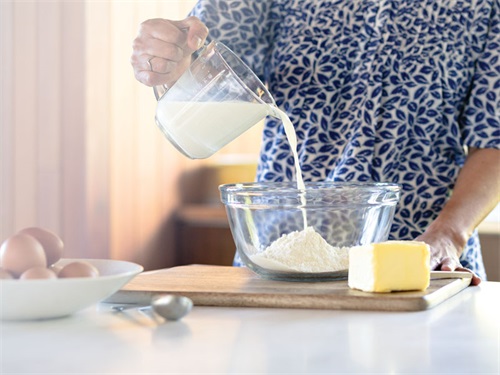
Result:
x=451 y=232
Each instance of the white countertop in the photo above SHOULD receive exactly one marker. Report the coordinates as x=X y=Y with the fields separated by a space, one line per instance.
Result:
x=460 y=336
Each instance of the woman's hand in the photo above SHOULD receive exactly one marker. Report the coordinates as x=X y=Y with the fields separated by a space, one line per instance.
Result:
x=445 y=249
x=162 y=49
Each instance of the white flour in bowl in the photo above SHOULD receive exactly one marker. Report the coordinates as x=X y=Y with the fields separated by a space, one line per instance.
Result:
x=303 y=251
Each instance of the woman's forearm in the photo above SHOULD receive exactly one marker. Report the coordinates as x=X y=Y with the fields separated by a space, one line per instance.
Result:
x=476 y=193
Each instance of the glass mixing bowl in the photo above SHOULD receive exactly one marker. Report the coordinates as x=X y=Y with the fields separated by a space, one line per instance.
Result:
x=284 y=233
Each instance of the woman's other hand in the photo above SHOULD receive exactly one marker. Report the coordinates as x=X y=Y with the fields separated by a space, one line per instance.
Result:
x=445 y=250
x=162 y=49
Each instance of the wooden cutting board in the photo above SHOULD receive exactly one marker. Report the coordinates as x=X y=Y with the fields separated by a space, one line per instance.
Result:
x=240 y=287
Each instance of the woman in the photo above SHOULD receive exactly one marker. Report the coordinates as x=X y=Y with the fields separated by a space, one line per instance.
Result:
x=394 y=91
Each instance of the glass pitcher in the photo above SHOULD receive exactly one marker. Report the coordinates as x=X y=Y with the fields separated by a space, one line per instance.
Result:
x=215 y=100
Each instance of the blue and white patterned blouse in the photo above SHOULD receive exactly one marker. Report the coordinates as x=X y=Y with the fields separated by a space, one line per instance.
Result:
x=386 y=90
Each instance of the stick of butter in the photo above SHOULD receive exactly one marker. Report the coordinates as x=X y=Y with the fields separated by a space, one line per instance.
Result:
x=389 y=266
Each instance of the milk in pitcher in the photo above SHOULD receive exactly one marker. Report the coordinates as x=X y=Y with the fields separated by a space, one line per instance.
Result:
x=199 y=129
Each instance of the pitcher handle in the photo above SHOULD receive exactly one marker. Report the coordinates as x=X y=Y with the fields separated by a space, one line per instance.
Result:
x=160 y=91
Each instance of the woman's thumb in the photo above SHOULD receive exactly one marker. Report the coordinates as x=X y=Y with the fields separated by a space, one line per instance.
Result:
x=197 y=32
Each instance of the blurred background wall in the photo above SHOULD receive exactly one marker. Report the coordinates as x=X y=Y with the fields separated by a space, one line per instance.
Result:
x=80 y=152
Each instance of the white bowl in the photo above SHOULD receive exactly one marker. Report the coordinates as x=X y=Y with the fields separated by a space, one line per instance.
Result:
x=45 y=299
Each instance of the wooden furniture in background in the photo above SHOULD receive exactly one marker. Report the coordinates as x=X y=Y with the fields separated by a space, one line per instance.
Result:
x=489 y=235
x=203 y=236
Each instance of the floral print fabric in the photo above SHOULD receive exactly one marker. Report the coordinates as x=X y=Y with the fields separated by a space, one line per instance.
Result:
x=387 y=90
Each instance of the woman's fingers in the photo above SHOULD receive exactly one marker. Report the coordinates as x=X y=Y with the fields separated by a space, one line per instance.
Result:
x=476 y=280
x=450 y=264
x=197 y=33
x=160 y=65
x=162 y=50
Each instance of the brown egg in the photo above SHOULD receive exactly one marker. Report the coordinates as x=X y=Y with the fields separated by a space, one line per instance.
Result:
x=78 y=269
x=38 y=273
x=5 y=275
x=51 y=243
x=21 y=252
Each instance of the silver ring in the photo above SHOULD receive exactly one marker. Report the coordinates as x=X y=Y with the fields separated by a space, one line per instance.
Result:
x=150 y=65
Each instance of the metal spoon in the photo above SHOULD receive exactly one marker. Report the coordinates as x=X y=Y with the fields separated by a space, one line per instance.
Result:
x=168 y=306
x=171 y=307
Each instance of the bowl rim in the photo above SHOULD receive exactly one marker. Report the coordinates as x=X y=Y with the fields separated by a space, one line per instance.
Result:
x=282 y=194
x=132 y=270
x=291 y=186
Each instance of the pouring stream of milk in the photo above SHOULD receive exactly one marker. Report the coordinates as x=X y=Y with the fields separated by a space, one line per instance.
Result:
x=292 y=140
